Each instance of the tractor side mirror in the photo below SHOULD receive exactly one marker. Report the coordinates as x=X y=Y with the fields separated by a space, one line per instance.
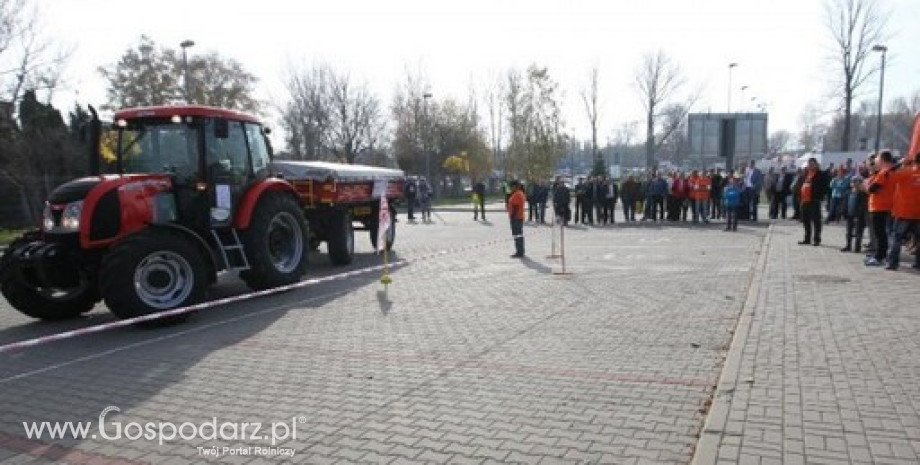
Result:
x=221 y=129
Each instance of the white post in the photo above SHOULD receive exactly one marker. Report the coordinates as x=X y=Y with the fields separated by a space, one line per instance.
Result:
x=553 y=253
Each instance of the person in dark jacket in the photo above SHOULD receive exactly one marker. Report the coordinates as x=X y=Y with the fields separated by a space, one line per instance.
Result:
x=562 y=200
x=410 y=191
x=813 y=186
x=630 y=192
x=541 y=196
x=857 y=204
x=579 y=199
x=479 y=200
x=778 y=203
x=718 y=186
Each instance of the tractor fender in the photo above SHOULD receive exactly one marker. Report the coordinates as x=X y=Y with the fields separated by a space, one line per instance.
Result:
x=252 y=196
x=199 y=242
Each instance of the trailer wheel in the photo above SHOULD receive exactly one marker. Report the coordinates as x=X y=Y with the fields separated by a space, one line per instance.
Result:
x=275 y=243
x=153 y=271
x=44 y=303
x=340 y=238
x=373 y=227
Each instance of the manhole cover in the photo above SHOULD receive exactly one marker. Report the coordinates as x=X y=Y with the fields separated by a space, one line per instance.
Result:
x=821 y=278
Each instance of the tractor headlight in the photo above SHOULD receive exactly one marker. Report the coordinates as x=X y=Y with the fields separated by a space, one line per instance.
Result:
x=47 y=219
x=70 y=217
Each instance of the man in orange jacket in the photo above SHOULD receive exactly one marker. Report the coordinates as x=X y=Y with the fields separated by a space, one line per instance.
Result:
x=881 y=200
x=906 y=209
x=516 y=215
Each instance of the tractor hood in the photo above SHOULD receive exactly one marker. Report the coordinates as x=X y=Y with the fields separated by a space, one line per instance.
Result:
x=74 y=190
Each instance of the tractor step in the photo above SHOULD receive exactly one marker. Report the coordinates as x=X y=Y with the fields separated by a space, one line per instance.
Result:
x=231 y=249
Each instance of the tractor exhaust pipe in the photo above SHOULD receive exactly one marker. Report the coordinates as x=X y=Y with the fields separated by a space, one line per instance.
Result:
x=95 y=134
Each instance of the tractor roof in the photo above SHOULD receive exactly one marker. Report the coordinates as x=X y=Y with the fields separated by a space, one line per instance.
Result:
x=184 y=110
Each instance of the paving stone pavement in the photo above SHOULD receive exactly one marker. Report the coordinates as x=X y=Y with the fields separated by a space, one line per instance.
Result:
x=825 y=367
x=472 y=357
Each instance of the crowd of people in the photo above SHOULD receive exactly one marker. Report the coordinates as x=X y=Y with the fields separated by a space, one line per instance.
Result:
x=879 y=195
x=696 y=196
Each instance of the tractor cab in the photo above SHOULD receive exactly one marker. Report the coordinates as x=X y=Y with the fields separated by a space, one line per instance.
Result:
x=210 y=155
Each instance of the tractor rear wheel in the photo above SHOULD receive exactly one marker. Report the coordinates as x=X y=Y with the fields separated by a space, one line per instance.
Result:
x=44 y=303
x=275 y=243
x=153 y=271
x=340 y=238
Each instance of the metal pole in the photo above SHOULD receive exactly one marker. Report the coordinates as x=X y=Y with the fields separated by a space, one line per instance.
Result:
x=185 y=45
x=881 y=89
x=427 y=137
x=743 y=91
x=730 y=67
x=703 y=140
x=750 y=136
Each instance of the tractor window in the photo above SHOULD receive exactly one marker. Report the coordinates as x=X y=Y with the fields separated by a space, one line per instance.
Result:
x=227 y=157
x=151 y=148
x=260 y=157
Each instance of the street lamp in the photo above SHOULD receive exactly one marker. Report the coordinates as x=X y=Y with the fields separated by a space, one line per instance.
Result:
x=881 y=88
x=426 y=96
x=731 y=66
x=743 y=90
x=185 y=45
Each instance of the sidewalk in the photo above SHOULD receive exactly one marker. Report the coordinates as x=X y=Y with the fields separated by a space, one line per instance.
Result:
x=824 y=365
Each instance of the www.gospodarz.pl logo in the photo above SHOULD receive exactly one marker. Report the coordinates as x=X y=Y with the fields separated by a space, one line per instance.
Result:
x=163 y=431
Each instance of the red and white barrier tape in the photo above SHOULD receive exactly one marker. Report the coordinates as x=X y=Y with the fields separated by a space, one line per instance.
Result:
x=238 y=298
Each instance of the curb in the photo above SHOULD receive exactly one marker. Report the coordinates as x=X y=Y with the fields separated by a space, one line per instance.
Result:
x=707 y=448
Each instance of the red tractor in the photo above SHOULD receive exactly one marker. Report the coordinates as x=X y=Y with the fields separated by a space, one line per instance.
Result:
x=176 y=195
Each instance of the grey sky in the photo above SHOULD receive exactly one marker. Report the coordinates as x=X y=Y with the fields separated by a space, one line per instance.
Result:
x=780 y=45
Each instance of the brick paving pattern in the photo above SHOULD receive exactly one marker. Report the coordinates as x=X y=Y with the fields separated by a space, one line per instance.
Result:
x=472 y=357
x=829 y=371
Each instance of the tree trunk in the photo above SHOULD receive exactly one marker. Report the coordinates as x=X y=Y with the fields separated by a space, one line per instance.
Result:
x=650 y=141
x=847 y=116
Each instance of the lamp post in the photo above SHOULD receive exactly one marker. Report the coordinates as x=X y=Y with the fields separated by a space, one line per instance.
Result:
x=426 y=96
x=743 y=91
x=881 y=89
x=731 y=66
x=185 y=45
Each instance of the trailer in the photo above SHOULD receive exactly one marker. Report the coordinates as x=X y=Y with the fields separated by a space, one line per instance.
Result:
x=339 y=198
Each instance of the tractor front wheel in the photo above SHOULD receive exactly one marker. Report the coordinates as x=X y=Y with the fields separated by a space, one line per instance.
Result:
x=44 y=303
x=153 y=271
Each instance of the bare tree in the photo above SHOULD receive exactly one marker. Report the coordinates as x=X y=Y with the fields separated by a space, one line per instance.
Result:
x=514 y=103
x=898 y=122
x=496 y=108
x=355 y=118
x=856 y=26
x=330 y=116
x=778 y=142
x=589 y=97
x=306 y=115
x=36 y=153
x=659 y=80
x=813 y=131
x=534 y=119
x=409 y=113
x=671 y=132
x=28 y=59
